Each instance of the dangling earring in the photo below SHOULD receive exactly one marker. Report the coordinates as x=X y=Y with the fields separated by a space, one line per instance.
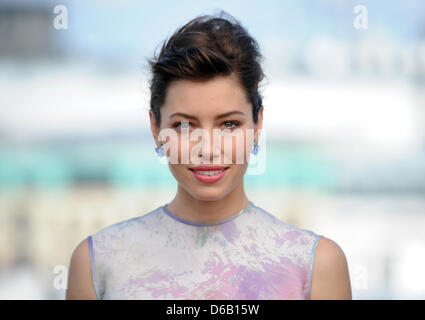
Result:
x=255 y=148
x=160 y=150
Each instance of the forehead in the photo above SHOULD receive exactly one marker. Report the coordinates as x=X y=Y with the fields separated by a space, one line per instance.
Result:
x=206 y=98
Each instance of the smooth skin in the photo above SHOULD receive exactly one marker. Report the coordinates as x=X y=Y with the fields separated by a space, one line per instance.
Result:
x=80 y=283
x=330 y=277
x=207 y=100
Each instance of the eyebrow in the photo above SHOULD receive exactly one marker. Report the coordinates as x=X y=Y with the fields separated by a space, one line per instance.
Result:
x=218 y=117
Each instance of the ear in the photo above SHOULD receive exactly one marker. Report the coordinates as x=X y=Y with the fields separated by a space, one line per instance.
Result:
x=259 y=124
x=154 y=128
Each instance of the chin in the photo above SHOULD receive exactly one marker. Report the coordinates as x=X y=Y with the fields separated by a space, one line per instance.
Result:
x=208 y=194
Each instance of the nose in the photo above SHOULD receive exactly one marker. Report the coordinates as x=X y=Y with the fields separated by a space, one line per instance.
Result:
x=211 y=145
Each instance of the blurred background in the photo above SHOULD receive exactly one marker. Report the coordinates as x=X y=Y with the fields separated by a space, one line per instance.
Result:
x=344 y=119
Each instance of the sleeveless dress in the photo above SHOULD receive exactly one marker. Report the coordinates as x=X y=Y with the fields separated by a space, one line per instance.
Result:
x=249 y=255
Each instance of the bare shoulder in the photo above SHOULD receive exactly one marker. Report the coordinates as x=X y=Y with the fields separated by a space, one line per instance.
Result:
x=80 y=283
x=330 y=276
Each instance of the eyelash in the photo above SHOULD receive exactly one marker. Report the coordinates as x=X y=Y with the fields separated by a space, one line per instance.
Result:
x=235 y=124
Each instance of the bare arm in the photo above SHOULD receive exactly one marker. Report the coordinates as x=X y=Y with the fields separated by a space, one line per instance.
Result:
x=80 y=283
x=330 y=277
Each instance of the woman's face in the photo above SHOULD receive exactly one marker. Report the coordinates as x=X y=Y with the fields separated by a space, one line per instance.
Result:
x=202 y=106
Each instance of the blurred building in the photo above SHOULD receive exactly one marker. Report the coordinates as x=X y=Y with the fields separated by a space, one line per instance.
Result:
x=26 y=31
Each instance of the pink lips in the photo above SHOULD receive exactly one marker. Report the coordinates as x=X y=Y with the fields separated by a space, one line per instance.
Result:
x=209 y=178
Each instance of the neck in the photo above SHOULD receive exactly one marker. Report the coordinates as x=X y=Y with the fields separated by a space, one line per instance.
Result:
x=185 y=206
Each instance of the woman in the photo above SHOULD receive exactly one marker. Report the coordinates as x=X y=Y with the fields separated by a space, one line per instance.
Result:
x=210 y=241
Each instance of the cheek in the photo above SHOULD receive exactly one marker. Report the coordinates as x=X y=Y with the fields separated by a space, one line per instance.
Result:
x=240 y=150
x=173 y=149
x=180 y=172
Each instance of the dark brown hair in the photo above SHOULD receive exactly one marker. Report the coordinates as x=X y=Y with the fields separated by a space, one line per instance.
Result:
x=205 y=47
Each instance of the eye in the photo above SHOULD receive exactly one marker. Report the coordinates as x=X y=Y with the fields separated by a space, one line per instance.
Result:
x=230 y=124
x=179 y=124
